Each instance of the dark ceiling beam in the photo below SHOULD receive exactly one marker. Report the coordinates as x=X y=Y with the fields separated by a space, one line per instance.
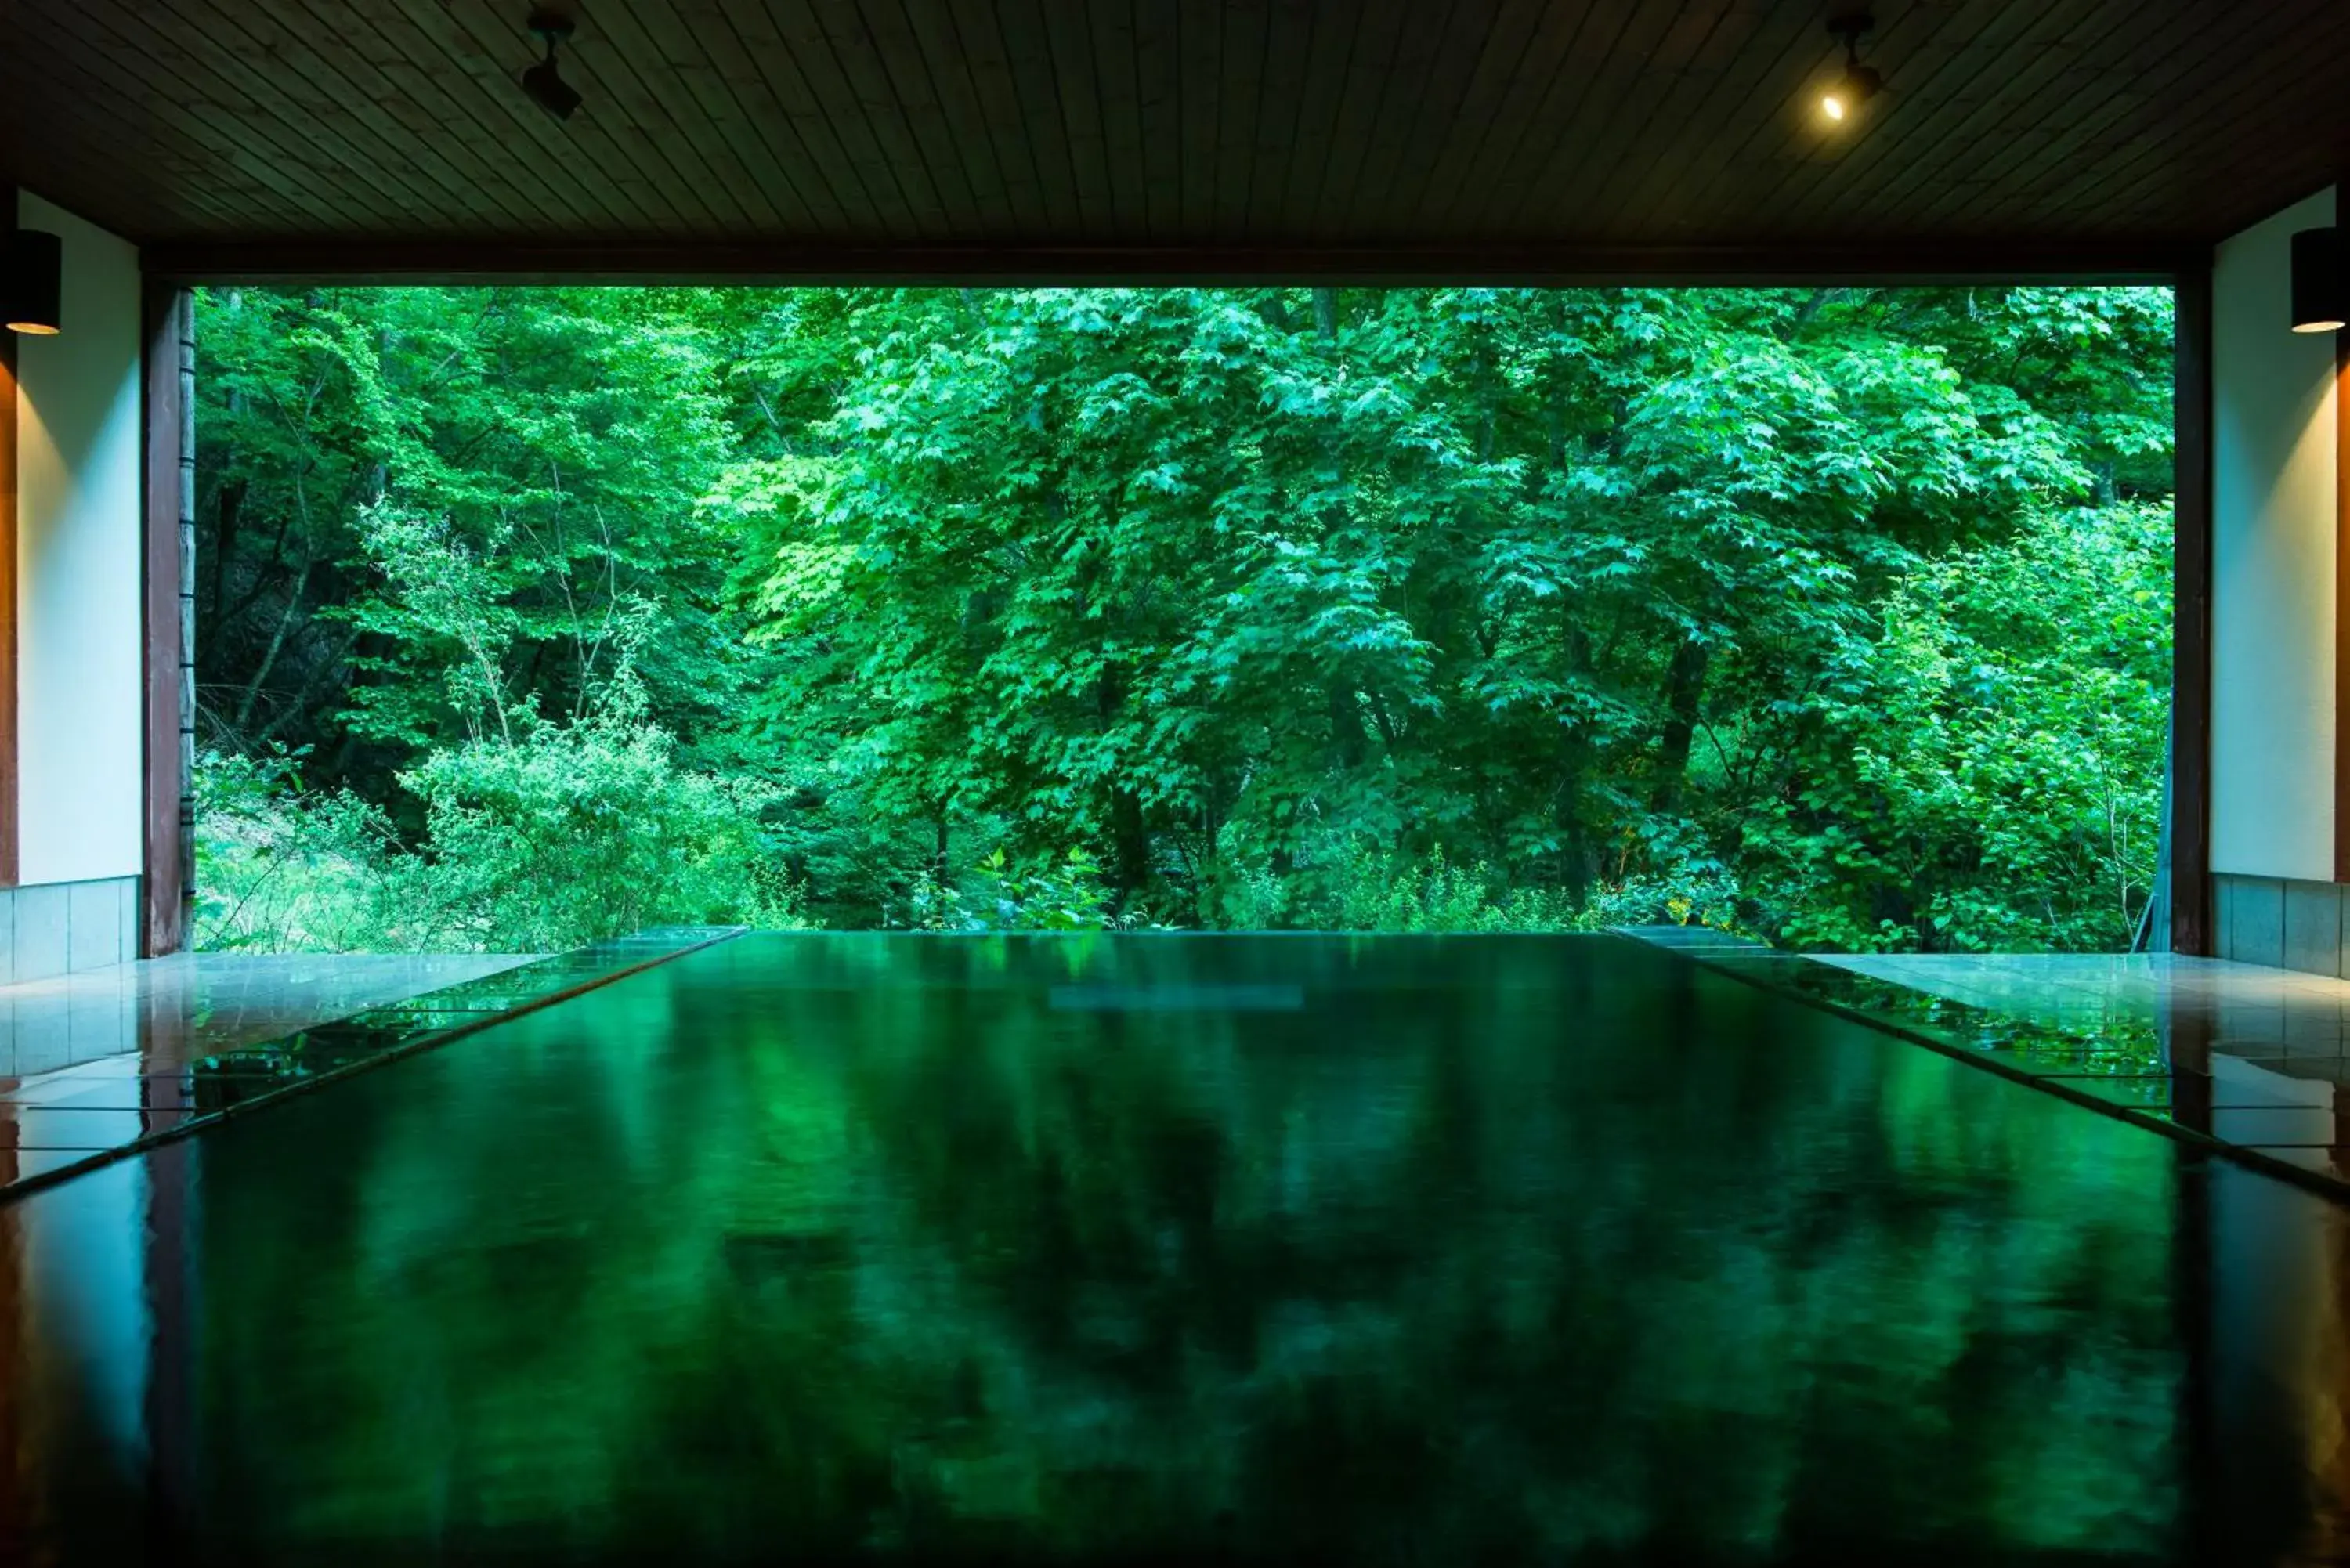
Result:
x=2023 y=261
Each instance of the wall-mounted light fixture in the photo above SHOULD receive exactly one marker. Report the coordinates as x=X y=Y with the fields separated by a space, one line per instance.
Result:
x=32 y=280
x=2321 y=282
x=1858 y=83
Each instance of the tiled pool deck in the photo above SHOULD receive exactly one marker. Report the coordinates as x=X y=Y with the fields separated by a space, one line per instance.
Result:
x=2255 y=1058
x=97 y=1064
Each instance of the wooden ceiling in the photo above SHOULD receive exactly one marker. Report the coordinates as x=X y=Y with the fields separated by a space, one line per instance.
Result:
x=868 y=138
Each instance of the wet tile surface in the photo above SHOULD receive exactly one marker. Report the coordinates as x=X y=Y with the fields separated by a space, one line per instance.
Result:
x=2255 y=1056
x=172 y=1011
x=102 y=1060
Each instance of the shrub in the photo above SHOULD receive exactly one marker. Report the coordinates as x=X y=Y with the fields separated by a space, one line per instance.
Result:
x=572 y=832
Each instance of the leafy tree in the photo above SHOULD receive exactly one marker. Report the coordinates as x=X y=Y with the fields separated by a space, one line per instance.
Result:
x=1831 y=614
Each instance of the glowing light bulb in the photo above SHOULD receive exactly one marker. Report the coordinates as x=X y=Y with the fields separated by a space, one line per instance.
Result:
x=1832 y=105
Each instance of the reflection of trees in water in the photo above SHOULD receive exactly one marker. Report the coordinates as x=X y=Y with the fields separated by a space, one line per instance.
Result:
x=1484 y=1250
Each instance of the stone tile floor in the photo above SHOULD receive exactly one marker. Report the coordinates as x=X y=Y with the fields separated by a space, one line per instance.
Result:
x=91 y=1060
x=102 y=1061
x=2253 y=1056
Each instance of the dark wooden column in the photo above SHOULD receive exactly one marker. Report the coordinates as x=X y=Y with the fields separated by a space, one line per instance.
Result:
x=168 y=621
x=2190 y=659
x=2342 y=590
x=8 y=771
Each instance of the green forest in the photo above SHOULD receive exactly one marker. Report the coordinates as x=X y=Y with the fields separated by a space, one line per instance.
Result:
x=527 y=616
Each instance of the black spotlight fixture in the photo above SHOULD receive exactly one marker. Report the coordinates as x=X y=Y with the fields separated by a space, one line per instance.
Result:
x=542 y=81
x=1859 y=83
x=32 y=281
x=2321 y=282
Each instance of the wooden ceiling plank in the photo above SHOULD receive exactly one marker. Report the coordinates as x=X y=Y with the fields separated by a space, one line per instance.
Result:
x=486 y=142
x=89 y=175
x=1661 y=116
x=155 y=192
x=932 y=27
x=2111 y=96
x=1281 y=92
x=1554 y=75
x=276 y=153
x=1940 y=122
x=480 y=40
x=419 y=190
x=259 y=157
x=439 y=53
x=1028 y=52
x=2282 y=82
x=979 y=44
x=1580 y=144
x=1378 y=34
x=1330 y=57
x=928 y=172
x=716 y=74
x=865 y=211
x=1069 y=49
x=1758 y=119
x=621 y=64
x=906 y=205
x=1525 y=31
x=1118 y=87
x=1246 y=37
x=789 y=167
x=354 y=44
x=1787 y=144
x=352 y=48
x=1199 y=32
x=2035 y=88
x=1393 y=106
x=341 y=109
x=1461 y=50
x=2260 y=120
x=1742 y=57
x=1159 y=77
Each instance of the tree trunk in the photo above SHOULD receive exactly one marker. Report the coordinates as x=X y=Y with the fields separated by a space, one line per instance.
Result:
x=1129 y=846
x=231 y=504
x=1346 y=737
x=1575 y=857
x=1684 y=686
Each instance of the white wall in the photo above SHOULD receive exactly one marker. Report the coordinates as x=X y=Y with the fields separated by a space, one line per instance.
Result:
x=78 y=562
x=2272 y=562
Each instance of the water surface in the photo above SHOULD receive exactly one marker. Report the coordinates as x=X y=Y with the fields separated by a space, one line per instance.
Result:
x=1392 y=1249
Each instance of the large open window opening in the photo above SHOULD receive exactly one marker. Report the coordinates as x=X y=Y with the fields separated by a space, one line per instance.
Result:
x=1840 y=616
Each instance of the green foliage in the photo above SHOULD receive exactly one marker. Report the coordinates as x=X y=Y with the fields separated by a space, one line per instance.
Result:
x=278 y=871
x=590 y=829
x=537 y=833
x=1994 y=747
x=580 y=831
x=1838 y=616
x=996 y=896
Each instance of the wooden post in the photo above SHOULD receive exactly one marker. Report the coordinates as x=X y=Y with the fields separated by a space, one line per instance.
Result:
x=167 y=624
x=2342 y=590
x=8 y=762
x=2190 y=659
